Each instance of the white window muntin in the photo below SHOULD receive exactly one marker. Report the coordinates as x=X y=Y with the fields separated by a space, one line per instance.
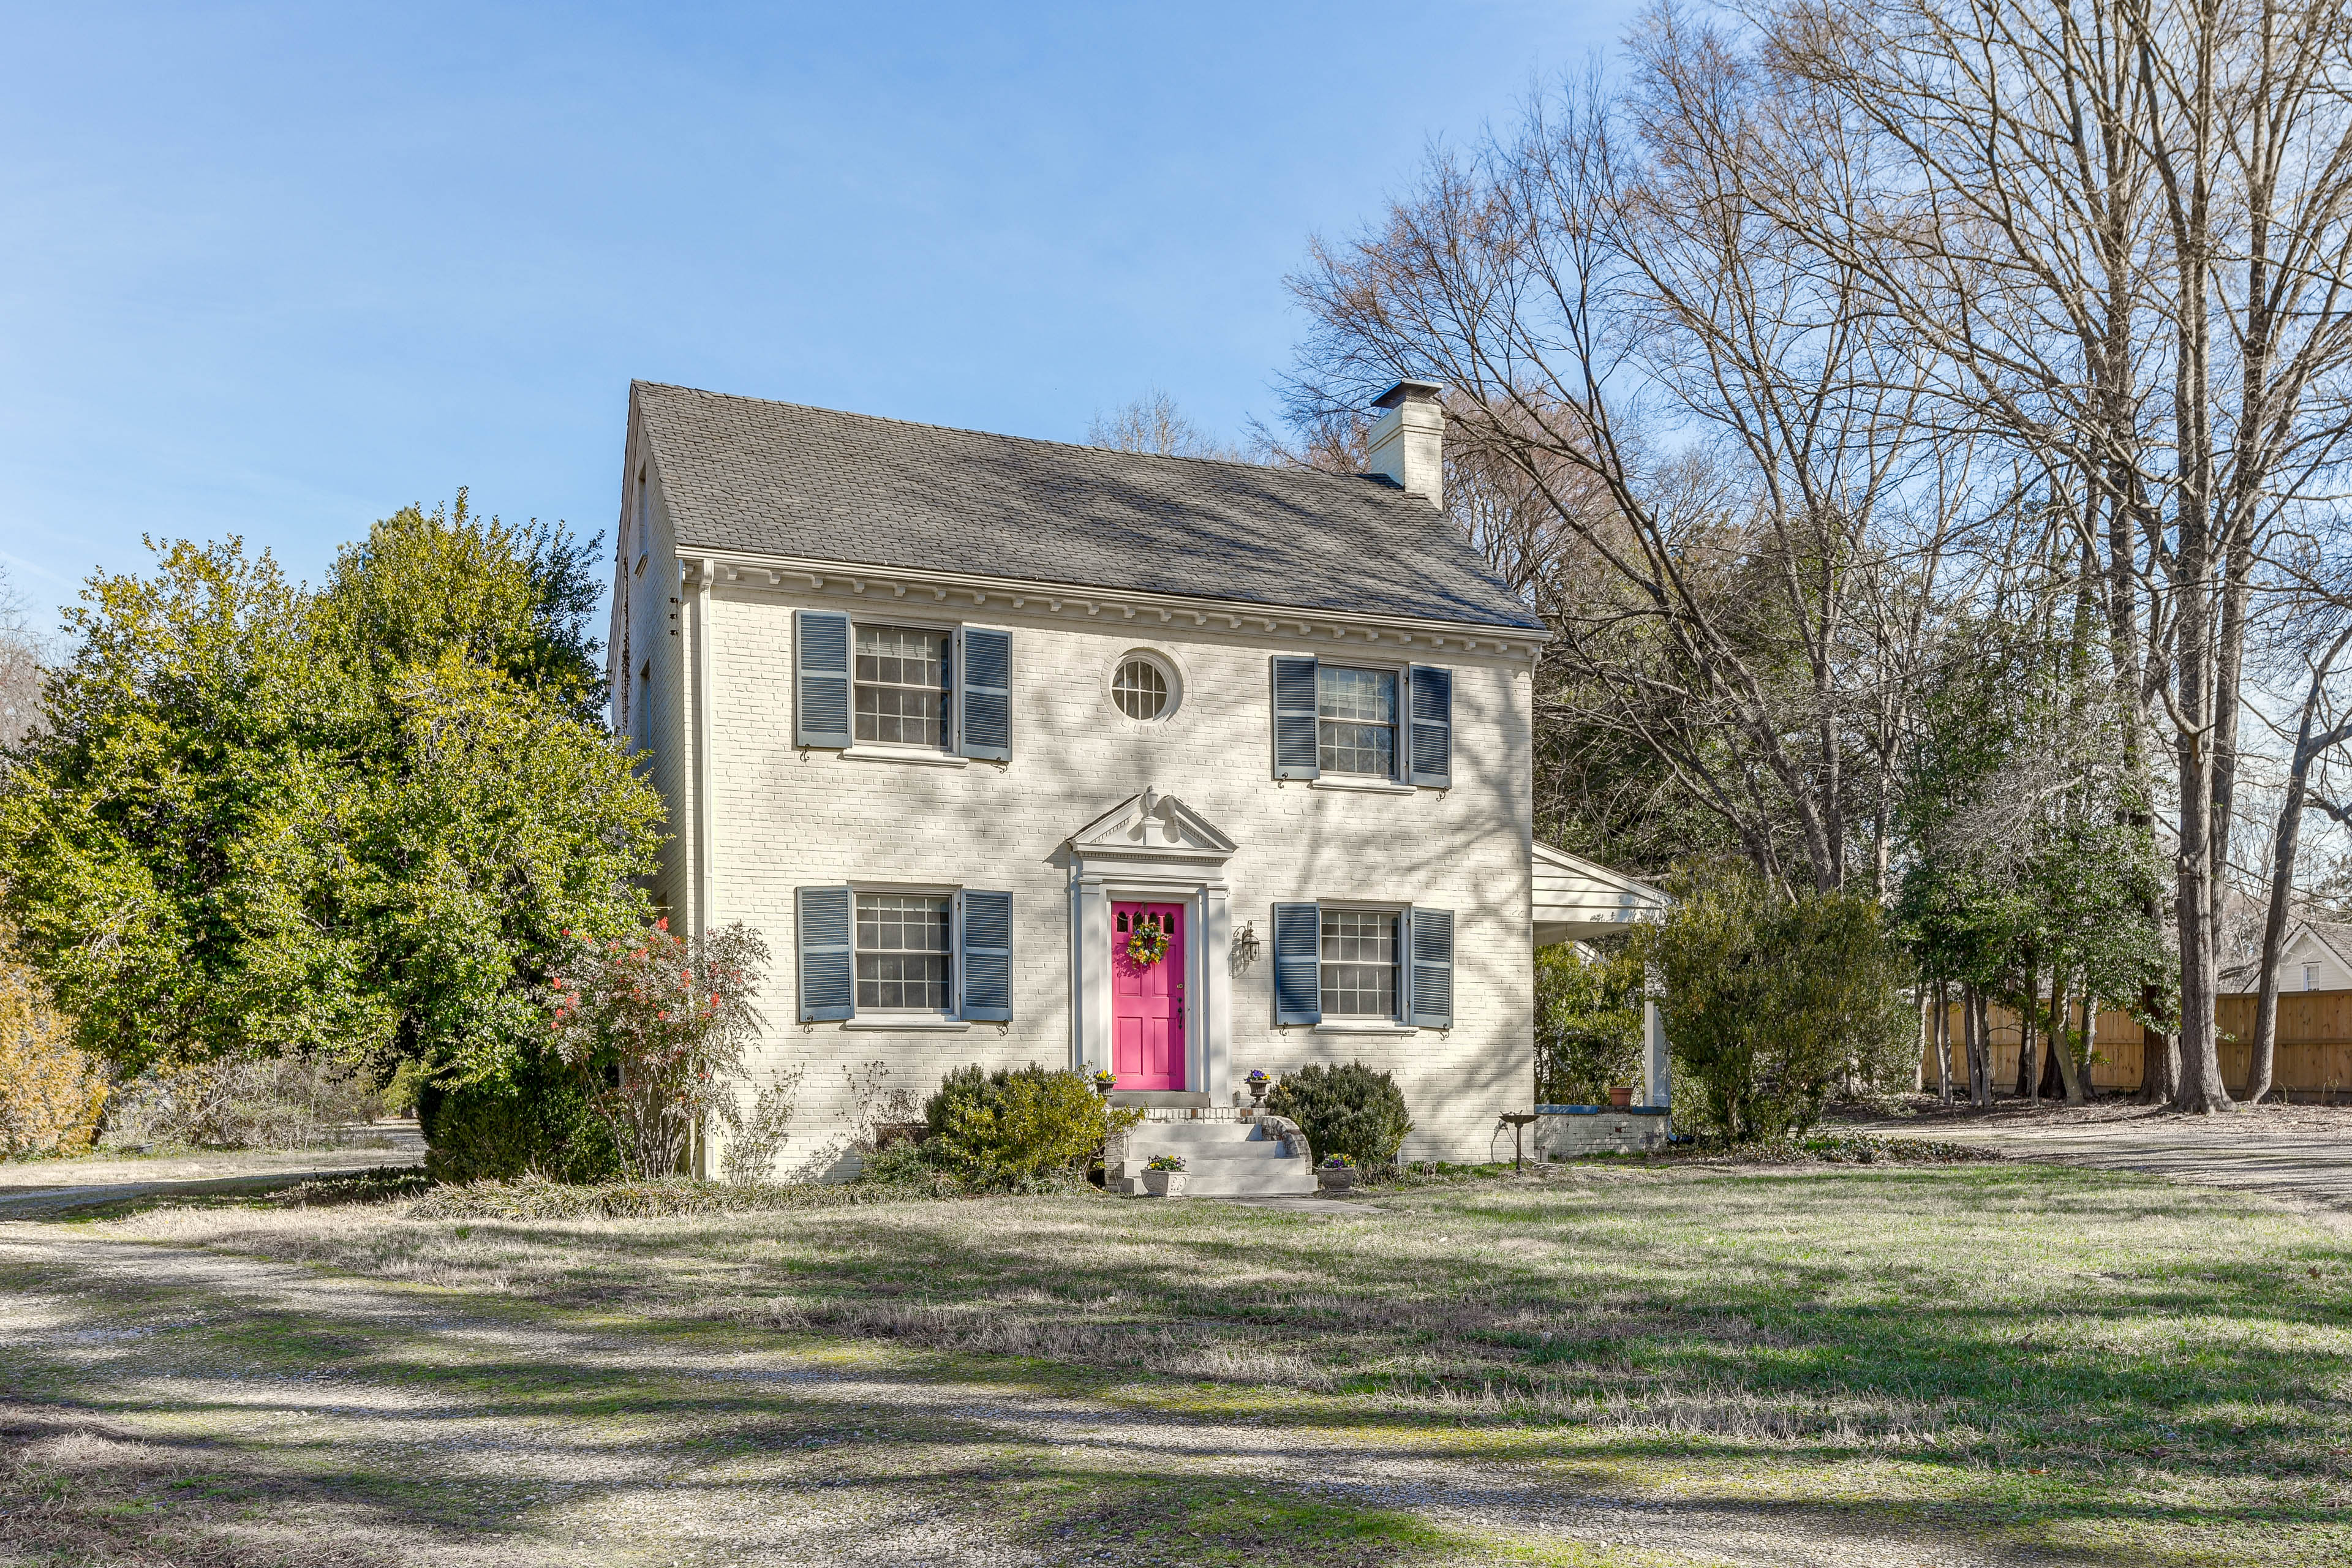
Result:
x=1357 y=715
x=901 y=684
x=905 y=978
x=1143 y=686
x=1360 y=953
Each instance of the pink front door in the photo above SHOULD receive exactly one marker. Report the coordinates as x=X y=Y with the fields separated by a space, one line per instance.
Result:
x=1147 y=1000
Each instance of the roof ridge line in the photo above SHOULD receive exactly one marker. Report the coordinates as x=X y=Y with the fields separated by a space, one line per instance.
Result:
x=1382 y=480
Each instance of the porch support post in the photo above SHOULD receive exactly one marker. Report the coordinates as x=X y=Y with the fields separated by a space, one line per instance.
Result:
x=1657 y=1088
x=1090 y=937
x=1217 y=1028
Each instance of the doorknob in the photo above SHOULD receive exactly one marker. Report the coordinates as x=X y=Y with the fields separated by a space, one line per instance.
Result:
x=1179 y=1012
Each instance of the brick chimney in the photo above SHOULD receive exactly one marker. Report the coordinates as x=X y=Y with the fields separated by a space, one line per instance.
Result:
x=1409 y=440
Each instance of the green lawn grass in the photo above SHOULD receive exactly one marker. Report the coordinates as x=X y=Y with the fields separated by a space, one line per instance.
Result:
x=2105 y=1367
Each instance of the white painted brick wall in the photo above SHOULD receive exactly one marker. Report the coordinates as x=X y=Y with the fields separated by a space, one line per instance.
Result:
x=784 y=818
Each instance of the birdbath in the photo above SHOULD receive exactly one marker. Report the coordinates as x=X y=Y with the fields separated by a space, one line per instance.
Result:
x=1518 y=1120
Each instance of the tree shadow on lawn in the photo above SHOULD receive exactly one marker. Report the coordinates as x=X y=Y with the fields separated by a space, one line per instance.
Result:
x=2159 y=1391
x=1696 y=1351
x=2202 y=1366
x=412 y=1436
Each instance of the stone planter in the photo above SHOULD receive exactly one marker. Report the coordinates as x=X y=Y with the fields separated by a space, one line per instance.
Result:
x=1336 y=1179
x=1164 y=1184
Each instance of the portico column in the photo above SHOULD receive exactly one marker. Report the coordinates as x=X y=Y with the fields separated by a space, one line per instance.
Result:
x=1091 y=963
x=1217 y=1028
x=1657 y=1086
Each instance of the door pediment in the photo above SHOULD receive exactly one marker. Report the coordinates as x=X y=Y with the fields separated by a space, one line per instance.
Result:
x=1151 y=827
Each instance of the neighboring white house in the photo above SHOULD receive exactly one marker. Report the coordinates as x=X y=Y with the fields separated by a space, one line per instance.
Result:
x=2315 y=956
x=950 y=717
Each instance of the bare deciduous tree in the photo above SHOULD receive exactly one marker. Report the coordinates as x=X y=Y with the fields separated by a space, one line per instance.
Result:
x=1154 y=425
x=20 y=667
x=1695 y=445
x=2125 y=231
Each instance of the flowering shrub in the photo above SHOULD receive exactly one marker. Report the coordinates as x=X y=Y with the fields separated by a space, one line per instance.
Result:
x=657 y=1027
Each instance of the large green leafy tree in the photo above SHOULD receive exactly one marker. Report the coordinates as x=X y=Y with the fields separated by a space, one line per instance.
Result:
x=356 y=822
x=2032 y=874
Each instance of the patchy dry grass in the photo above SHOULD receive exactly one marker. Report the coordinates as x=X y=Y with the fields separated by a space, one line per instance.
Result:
x=2066 y=1361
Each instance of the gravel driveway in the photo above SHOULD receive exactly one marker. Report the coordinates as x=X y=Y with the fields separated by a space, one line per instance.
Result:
x=2301 y=1153
x=46 y=1189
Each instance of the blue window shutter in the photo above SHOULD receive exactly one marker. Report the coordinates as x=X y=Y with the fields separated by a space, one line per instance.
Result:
x=984 y=955
x=820 y=705
x=1298 y=966
x=1433 y=968
x=983 y=693
x=1429 y=743
x=1294 y=719
x=828 y=989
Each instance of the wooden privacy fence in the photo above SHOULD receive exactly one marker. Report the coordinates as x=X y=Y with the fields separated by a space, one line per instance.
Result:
x=2313 y=1056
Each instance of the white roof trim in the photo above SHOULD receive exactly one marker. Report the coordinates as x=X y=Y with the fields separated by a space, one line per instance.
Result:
x=1602 y=874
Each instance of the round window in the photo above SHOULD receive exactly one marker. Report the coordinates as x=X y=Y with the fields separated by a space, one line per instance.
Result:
x=1140 y=688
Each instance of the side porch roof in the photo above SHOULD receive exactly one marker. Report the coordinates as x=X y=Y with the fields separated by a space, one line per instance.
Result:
x=1577 y=900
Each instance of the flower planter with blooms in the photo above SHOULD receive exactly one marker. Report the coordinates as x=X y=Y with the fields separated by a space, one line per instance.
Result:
x=1147 y=945
x=1104 y=1080
x=1259 y=1081
x=1163 y=1177
x=1335 y=1174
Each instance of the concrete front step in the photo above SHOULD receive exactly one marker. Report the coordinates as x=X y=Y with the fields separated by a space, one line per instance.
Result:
x=1222 y=1159
x=1199 y=1154
x=1198 y=1131
x=1257 y=1185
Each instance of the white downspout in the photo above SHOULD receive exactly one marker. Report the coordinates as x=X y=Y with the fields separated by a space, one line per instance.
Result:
x=704 y=915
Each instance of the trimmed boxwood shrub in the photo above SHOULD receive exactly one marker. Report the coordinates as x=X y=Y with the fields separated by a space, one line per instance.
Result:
x=1011 y=1127
x=1349 y=1111
x=538 y=1120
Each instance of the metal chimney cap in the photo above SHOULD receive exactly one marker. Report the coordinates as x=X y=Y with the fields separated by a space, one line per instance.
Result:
x=1410 y=390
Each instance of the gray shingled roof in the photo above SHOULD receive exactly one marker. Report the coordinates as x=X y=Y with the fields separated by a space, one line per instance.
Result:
x=744 y=474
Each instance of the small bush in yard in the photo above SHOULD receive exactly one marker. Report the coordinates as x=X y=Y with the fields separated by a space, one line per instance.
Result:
x=1352 y=1111
x=50 y=1091
x=1007 y=1128
x=756 y=1137
x=536 y=1117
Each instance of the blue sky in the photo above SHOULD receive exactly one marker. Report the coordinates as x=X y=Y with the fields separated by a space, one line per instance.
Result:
x=277 y=270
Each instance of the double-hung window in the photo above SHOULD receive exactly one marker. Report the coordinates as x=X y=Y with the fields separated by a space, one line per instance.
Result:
x=1349 y=965
x=1355 y=720
x=903 y=950
x=892 y=953
x=942 y=689
x=1358 y=952
x=1362 y=726
x=902 y=686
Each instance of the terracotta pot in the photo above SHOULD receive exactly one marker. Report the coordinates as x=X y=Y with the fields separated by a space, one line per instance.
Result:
x=1621 y=1096
x=1164 y=1184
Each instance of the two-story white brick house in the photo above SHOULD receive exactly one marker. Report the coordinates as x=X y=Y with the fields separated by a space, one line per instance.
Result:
x=970 y=726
